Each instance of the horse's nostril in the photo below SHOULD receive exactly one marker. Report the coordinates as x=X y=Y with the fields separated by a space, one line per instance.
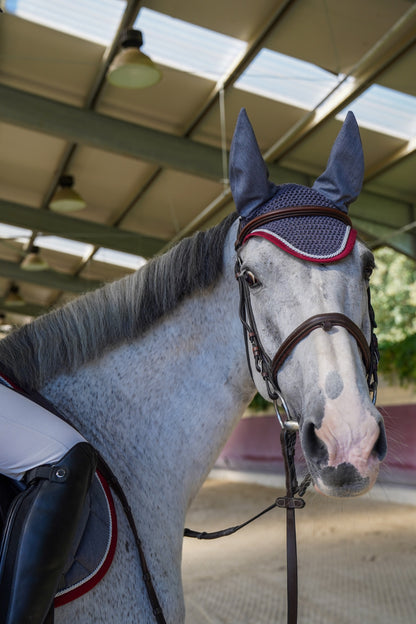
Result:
x=313 y=447
x=380 y=447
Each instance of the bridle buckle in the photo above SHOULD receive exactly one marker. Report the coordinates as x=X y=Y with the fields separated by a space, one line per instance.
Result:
x=287 y=422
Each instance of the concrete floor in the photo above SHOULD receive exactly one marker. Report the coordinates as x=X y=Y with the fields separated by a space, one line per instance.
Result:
x=357 y=557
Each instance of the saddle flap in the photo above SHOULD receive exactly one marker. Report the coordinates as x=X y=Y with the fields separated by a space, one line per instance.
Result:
x=94 y=545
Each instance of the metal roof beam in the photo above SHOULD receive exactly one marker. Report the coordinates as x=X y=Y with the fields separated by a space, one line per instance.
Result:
x=107 y=133
x=103 y=132
x=78 y=229
x=383 y=210
x=402 y=241
x=392 y=159
x=392 y=212
x=28 y=309
x=396 y=41
x=386 y=222
x=48 y=278
x=114 y=135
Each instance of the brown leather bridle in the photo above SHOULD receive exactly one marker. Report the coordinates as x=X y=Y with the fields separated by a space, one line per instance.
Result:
x=269 y=368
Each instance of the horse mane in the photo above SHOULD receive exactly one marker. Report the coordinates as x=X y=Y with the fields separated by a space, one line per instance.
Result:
x=66 y=338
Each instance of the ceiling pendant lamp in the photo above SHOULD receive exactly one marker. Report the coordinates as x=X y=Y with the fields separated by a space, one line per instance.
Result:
x=5 y=327
x=66 y=198
x=14 y=299
x=131 y=68
x=34 y=261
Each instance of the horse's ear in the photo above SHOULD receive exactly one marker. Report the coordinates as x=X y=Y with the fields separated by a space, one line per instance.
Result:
x=343 y=177
x=249 y=178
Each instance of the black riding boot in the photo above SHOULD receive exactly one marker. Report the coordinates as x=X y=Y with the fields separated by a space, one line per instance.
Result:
x=39 y=533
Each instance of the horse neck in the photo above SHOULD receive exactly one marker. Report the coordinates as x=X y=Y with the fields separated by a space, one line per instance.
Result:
x=160 y=409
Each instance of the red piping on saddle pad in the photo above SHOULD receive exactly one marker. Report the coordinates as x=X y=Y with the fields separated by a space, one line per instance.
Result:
x=6 y=381
x=83 y=587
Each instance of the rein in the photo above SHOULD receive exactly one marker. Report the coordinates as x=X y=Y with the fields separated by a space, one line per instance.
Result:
x=289 y=502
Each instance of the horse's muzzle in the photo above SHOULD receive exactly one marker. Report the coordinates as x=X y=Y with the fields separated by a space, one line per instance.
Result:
x=338 y=468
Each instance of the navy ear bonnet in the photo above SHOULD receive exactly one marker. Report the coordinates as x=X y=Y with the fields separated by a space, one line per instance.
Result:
x=316 y=237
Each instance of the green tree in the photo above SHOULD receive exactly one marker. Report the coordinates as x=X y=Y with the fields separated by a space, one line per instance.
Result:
x=393 y=291
x=393 y=295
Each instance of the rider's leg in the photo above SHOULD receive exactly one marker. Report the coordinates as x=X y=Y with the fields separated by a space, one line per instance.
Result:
x=41 y=527
x=44 y=516
x=30 y=435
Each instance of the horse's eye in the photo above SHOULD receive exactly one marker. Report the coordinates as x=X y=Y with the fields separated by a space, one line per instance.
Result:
x=368 y=271
x=368 y=266
x=251 y=279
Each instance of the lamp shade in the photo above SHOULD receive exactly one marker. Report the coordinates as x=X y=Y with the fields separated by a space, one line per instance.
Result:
x=5 y=327
x=65 y=198
x=131 y=69
x=14 y=299
x=34 y=261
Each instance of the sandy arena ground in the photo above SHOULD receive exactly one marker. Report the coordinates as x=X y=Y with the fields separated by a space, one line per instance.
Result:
x=357 y=559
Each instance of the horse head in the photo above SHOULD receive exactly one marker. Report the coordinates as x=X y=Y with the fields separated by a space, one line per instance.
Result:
x=301 y=270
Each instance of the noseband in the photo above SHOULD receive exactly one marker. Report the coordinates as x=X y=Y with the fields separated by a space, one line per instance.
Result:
x=326 y=322
x=270 y=367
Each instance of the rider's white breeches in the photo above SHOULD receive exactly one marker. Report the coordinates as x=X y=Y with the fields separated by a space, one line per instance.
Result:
x=30 y=435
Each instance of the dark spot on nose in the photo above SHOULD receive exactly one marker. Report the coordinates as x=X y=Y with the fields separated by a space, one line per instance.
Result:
x=333 y=385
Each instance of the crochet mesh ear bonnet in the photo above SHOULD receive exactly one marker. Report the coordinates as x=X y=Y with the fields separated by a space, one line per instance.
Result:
x=317 y=237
